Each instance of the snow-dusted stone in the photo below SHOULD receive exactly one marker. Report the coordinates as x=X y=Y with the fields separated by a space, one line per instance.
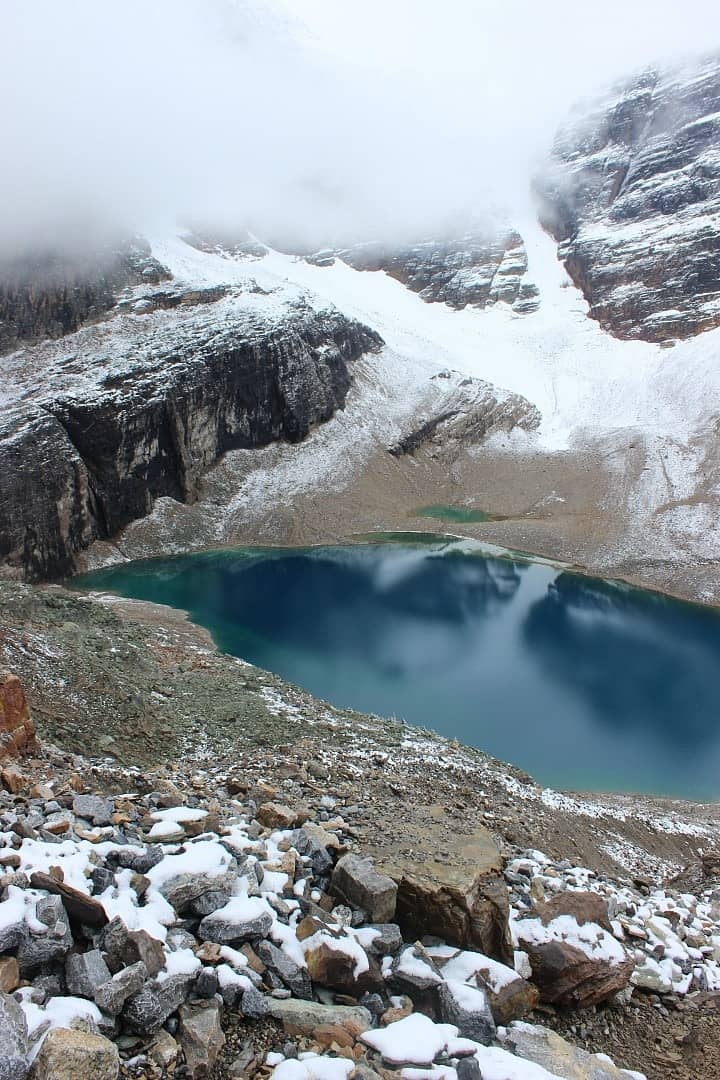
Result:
x=242 y=918
x=382 y=939
x=303 y=1017
x=650 y=975
x=84 y=972
x=292 y=975
x=549 y=1050
x=416 y=1040
x=185 y=889
x=340 y=963
x=148 y=1010
x=111 y=995
x=68 y=1054
x=201 y=1036
x=14 y=1042
x=414 y=970
x=94 y=808
x=509 y=995
x=37 y=949
x=358 y=883
x=12 y=919
x=573 y=964
x=80 y=907
x=138 y=859
x=314 y=1067
x=467 y=1008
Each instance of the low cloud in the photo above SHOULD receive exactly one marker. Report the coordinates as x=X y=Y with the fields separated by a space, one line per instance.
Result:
x=311 y=120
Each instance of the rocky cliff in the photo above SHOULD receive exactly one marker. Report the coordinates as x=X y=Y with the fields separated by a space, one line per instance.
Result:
x=51 y=293
x=141 y=407
x=476 y=269
x=633 y=196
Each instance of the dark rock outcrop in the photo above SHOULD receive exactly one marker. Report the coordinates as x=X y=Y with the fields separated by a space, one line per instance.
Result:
x=634 y=198
x=49 y=294
x=474 y=269
x=146 y=409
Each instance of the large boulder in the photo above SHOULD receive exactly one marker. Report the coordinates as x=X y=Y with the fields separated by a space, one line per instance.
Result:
x=509 y=995
x=201 y=1036
x=549 y=1050
x=17 y=731
x=304 y=1017
x=357 y=882
x=67 y=1054
x=450 y=882
x=573 y=963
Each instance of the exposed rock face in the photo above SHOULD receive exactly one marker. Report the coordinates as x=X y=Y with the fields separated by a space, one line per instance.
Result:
x=17 y=731
x=634 y=197
x=145 y=410
x=48 y=294
x=474 y=269
x=463 y=898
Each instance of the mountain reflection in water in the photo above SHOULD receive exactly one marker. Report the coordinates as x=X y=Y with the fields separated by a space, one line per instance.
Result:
x=583 y=683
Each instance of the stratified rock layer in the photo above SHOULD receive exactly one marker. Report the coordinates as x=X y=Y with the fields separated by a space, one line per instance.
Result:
x=143 y=409
x=475 y=269
x=634 y=197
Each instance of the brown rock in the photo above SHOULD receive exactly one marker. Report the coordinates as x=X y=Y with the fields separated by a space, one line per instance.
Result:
x=254 y=962
x=462 y=896
x=584 y=906
x=327 y=1034
x=17 y=731
x=276 y=816
x=397 y=1012
x=67 y=1054
x=13 y=779
x=201 y=1036
x=209 y=953
x=41 y=791
x=10 y=859
x=334 y=969
x=9 y=974
x=564 y=975
x=84 y=909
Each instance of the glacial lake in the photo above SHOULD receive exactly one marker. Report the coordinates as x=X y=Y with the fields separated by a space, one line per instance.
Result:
x=586 y=684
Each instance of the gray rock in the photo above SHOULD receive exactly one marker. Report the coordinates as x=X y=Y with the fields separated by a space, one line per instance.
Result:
x=389 y=940
x=201 y=1036
x=295 y=978
x=124 y=947
x=473 y=1022
x=468 y=1068
x=36 y=950
x=228 y=931
x=94 y=808
x=356 y=881
x=140 y=861
x=111 y=995
x=253 y=1004
x=184 y=889
x=549 y=1050
x=206 y=984
x=148 y=1010
x=84 y=972
x=14 y=1042
x=304 y=1017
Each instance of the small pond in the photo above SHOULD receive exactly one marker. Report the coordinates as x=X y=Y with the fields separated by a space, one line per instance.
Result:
x=586 y=684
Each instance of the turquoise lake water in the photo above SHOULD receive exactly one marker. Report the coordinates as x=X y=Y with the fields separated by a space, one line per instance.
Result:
x=586 y=684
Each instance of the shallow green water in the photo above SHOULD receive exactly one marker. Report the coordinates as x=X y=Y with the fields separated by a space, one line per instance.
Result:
x=584 y=683
x=459 y=514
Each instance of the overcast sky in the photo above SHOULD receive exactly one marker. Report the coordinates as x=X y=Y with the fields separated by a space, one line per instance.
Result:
x=304 y=117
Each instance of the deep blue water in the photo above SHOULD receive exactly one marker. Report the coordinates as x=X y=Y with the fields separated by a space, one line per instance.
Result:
x=586 y=684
